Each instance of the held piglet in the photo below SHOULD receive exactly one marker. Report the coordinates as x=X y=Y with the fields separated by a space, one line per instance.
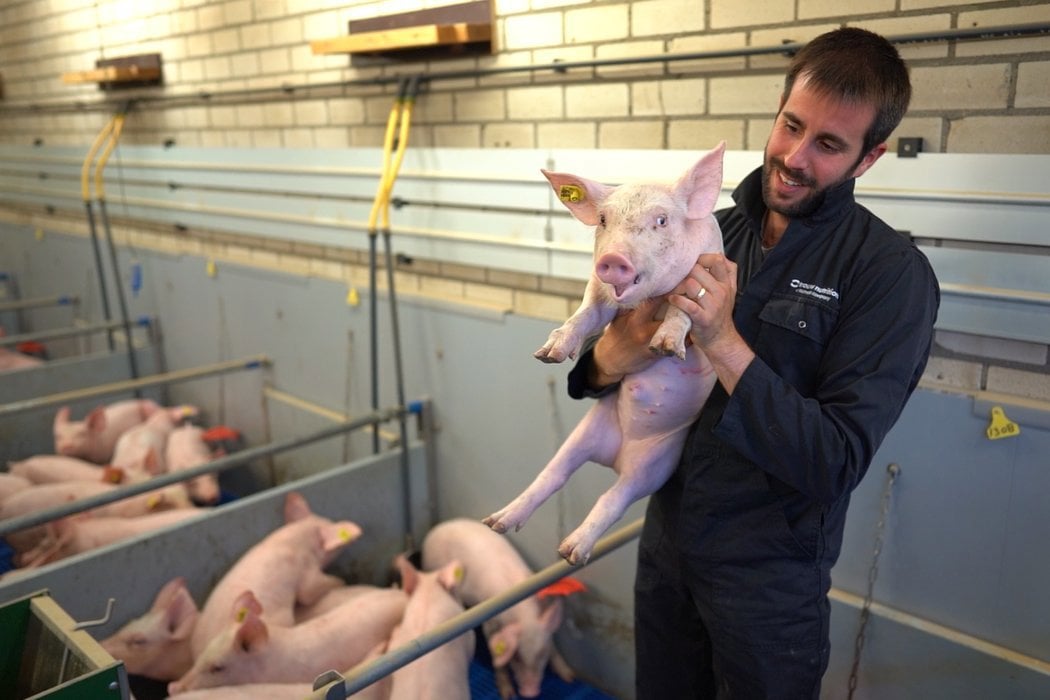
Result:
x=441 y=674
x=283 y=569
x=647 y=238
x=187 y=449
x=95 y=437
x=521 y=637
x=248 y=650
x=157 y=644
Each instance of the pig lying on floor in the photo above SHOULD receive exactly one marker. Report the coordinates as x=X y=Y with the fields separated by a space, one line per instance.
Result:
x=647 y=238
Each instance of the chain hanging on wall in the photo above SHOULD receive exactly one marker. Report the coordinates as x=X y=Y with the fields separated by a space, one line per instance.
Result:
x=892 y=471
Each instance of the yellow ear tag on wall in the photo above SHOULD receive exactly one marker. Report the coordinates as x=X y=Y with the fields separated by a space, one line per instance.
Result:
x=1001 y=426
x=210 y=267
x=38 y=233
x=352 y=297
x=571 y=193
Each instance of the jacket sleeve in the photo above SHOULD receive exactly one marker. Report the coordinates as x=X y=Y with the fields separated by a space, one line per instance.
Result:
x=578 y=386
x=821 y=444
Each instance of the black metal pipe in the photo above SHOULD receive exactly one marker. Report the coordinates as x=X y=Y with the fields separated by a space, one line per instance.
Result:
x=238 y=458
x=285 y=92
x=124 y=318
x=99 y=272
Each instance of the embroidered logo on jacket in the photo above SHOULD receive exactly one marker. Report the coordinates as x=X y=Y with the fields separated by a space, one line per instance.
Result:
x=813 y=290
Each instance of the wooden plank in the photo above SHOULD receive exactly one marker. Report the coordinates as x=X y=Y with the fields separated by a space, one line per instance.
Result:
x=404 y=38
x=112 y=74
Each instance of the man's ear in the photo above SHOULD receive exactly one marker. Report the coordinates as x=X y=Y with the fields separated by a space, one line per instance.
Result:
x=869 y=160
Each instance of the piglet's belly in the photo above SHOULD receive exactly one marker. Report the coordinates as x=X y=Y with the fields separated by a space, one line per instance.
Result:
x=667 y=395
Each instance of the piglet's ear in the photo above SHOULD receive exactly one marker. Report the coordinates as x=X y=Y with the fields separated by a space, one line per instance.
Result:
x=503 y=644
x=252 y=634
x=702 y=183
x=62 y=416
x=579 y=195
x=96 y=420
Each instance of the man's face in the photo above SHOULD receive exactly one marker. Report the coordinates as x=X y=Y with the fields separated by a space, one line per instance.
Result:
x=815 y=145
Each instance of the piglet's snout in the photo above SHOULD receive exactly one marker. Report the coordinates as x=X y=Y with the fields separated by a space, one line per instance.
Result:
x=615 y=269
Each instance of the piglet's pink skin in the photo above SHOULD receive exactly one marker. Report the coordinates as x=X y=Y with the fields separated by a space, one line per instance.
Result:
x=83 y=533
x=441 y=674
x=648 y=236
x=157 y=644
x=187 y=449
x=49 y=469
x=520 y=638
x=248 y=650
x=11 y=484
x=95 y=437
x=282 y=570
x=11 y=360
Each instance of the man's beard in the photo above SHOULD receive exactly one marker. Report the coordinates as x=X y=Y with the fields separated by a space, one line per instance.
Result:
x=803 y=207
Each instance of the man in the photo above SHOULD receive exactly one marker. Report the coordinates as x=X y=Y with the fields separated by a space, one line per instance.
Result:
x=818 y=321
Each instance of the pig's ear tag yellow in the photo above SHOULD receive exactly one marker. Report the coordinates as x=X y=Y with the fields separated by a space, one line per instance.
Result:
x=571 y=193
x=499 y=647
x=1001 y=426
x=241 y=614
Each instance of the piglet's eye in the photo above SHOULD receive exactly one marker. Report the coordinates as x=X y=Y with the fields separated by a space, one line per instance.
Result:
x=661 y=220
x=601 y=219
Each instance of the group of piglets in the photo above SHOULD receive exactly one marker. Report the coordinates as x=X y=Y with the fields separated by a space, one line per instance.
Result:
x=122 y=443
x=275 y=620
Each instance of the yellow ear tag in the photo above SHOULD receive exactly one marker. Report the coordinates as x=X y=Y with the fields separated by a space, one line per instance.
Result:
x=241 y=614
x=1001 y=426
x=458 y=574
x=571 y=193
x=153 y=501
x=210 y=267
x=39 y=233
x=499 y=647
x=344 y=534
x=352 y=297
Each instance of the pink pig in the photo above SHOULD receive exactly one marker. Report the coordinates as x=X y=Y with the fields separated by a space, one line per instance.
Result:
x=248 y=650
x=83 y=533
x=42 y=496
x=283 y=569
x=186 y=449
x=157 y=644
x=521 y=637
x=10 y=484
x=142 y=447
x=647 y=238
x=50 y=469
x=441 y=674
x=95 y=437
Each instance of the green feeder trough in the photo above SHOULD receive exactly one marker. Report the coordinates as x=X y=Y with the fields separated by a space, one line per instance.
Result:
x=44 y=654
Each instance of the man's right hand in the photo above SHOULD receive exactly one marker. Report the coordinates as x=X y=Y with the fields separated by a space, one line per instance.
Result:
x=624 y=346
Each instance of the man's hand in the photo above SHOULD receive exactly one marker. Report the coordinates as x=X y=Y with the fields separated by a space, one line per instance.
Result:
x=624 y=347
x=708 y=295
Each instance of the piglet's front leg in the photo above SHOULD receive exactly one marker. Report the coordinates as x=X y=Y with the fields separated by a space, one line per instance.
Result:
x=593 y=314
x=669 y=338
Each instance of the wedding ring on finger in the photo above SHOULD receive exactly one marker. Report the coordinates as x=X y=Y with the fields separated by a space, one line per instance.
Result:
x=701 y=293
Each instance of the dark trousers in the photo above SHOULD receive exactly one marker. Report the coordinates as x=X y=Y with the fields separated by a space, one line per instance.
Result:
x=740 y=627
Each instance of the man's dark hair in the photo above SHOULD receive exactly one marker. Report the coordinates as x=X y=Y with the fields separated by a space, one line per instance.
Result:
x=856 y=65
